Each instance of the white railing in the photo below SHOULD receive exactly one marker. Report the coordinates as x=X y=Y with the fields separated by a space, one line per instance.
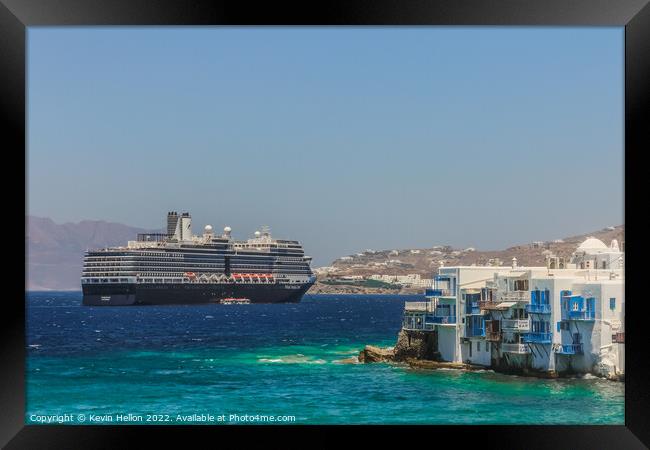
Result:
x=408 y=325
x=515 y=324
x=515 y=348
x=516 y=296
x=418 y=306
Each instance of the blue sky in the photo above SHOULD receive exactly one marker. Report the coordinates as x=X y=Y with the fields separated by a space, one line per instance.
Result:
x=343 y=138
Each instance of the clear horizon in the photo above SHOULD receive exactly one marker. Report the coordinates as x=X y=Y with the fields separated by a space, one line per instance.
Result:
x=342 y=138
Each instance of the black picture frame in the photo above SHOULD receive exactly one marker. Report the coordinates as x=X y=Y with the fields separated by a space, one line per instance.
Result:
x=634 y=15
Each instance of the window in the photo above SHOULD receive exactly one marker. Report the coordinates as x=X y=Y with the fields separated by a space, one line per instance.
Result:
x=470 y=349
x=612 y=303
x=478 y=346
x=591 y=304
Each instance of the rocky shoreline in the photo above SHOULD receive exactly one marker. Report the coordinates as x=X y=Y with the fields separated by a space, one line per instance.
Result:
x=417 y=350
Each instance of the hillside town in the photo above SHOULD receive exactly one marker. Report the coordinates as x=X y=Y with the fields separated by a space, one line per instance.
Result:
x=411 y=271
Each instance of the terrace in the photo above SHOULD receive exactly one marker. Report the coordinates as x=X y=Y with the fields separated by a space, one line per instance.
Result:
x=439 y=293
x=443 y=320
x=418 y=306
x=516 y=325
x=585 y=315
x=515 y=296
x=538 y=308
x=569 y=349
x=537 y=338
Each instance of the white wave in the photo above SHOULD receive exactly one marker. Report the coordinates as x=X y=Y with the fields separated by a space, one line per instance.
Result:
x=587 y=376
x=293 y=359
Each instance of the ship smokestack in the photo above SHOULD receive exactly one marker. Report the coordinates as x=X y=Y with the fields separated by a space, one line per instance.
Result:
x=173 y=225
x=186 y=227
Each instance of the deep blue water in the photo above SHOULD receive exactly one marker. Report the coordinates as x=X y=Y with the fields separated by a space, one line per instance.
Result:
x=274 y=360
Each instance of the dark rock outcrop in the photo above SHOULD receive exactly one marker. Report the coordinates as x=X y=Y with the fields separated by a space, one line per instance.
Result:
x=416 y=345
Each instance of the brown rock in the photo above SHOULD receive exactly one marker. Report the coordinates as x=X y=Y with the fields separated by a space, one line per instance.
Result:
x=375 y=354
x=352 y=360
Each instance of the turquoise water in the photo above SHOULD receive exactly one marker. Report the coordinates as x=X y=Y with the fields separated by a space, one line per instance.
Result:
x=271 y=360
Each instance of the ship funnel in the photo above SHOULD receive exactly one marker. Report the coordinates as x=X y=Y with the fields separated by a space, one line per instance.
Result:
x=173 y=225
x=186 y=227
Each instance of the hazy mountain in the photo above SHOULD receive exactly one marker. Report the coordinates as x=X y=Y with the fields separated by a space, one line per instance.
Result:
x=55 y=251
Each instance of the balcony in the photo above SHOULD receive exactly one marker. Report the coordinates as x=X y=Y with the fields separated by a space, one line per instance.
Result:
x=417 y=306
x=515 y=296
x=519 y=349
x=538 y=338
x=516 y=325
x=415 y=326
x=487 y=304
x=569 y=349
x=443 y=320
x=439 y=293
x=538 y=308
x=579 y=315
x=474 y=332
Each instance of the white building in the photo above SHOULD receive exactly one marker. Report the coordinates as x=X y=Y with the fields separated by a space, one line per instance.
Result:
x=325 y=270
x=412 y=279
x=557 y=319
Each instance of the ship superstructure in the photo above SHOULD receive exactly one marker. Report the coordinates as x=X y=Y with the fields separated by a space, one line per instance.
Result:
x=179 y=267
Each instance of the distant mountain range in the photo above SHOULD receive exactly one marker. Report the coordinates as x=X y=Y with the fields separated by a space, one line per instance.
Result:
x=55 y=251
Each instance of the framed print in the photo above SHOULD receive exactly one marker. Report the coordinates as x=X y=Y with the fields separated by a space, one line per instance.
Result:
x=398 y=219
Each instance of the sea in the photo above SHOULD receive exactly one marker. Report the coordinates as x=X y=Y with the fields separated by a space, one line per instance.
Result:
x=269 y=364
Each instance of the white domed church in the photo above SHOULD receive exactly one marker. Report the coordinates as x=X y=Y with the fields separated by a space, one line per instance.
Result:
x=594 y=254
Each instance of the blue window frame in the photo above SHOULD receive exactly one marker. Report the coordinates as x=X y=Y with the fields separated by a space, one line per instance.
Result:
x=612 y=303
x=591 y=304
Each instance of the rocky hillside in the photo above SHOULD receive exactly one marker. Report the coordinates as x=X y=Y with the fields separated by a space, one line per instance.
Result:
x=55 y=251
x=426 y=261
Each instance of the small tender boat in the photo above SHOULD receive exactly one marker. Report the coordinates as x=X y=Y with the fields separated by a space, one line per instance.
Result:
x=235 y=301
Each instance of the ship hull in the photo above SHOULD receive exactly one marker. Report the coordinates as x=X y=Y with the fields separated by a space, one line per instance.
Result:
x=189 y=293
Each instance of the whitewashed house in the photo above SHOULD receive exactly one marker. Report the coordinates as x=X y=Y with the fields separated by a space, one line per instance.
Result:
x=559 y=318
